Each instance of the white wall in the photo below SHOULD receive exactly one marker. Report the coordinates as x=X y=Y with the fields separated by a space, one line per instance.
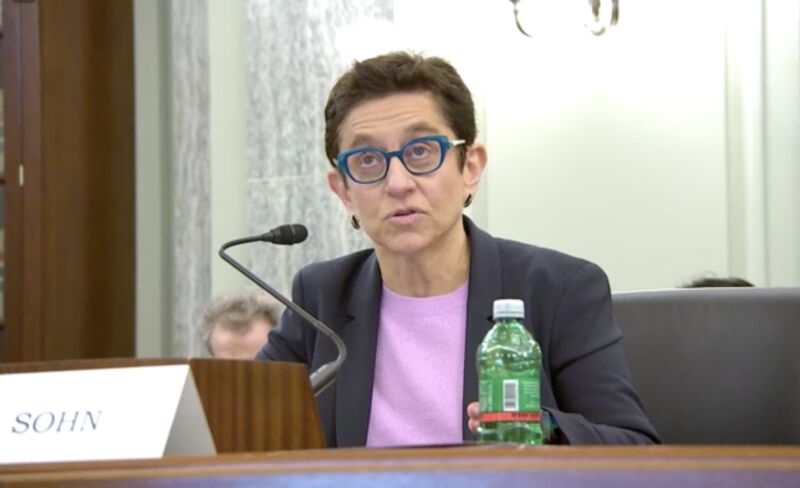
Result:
x=152 y=180
x=782 y=140
x=228 y=132
x=645 y=150
x=613 y=148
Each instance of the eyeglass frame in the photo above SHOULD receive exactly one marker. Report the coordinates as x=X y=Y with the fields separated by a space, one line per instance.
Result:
x=445 y=144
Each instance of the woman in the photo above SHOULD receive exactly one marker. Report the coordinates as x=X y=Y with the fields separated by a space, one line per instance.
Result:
x=400 y=133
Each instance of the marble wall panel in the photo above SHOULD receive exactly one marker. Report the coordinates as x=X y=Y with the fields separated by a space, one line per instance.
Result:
x=293 y=58
x=292 y=61
x=191 y=185
x=299 y=199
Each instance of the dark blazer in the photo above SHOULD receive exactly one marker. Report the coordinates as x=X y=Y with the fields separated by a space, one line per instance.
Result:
x=585 y=381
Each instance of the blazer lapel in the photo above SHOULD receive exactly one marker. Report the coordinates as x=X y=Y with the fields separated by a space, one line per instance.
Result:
x=484 y=288
x=360 y=334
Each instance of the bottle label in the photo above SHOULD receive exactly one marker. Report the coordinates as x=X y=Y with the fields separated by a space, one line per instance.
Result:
x=509 y=417
x=509 y=400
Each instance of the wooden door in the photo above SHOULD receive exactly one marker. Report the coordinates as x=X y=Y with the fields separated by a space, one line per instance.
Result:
x=69 y=126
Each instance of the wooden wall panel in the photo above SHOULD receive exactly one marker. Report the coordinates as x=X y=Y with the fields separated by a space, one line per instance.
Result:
x=22 y=129
x=12 y=94
x=88 y=136
x=77 y=207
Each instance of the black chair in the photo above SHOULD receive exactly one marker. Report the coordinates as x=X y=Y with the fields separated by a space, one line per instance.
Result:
x=716 y=365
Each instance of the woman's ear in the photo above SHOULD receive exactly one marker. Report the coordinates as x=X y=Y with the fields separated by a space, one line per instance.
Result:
x=474 y=164
x=337 y=184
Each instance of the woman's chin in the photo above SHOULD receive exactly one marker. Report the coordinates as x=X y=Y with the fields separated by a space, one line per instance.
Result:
x=405 y=244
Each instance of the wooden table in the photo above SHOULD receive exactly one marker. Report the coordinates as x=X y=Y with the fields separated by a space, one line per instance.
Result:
x=463 y=466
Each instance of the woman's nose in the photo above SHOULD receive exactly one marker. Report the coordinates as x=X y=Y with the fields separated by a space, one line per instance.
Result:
x=398 y=179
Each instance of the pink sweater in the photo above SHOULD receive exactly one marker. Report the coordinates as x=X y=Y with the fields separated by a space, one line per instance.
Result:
x=419 y=370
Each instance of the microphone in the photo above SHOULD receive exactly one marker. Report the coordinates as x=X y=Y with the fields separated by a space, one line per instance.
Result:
x=284 y=235
x=287 y=235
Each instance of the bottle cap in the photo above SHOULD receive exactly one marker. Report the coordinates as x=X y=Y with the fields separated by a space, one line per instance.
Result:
x=509 y=308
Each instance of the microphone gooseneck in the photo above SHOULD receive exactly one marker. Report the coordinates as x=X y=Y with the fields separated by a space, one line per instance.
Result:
x=325 y=375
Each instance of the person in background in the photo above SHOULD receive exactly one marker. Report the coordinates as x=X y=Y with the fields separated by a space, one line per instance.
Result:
x=237 y=325
x=714 y=282
x=400 y=134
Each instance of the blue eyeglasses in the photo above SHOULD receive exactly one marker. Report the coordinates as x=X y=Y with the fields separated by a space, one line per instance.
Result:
x=419 y=156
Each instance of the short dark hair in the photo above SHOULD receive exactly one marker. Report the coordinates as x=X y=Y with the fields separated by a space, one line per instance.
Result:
x=713 y=282
x=401 y=72
x=237 y=311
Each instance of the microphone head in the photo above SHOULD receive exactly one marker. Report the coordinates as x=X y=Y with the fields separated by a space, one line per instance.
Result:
x=288 y=234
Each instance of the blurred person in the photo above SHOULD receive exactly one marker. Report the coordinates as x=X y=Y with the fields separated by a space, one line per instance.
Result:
x=236 y=326
x=400 y=135
x=715 y=282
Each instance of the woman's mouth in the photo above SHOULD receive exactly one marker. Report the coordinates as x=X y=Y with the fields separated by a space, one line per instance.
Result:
x=405 y=216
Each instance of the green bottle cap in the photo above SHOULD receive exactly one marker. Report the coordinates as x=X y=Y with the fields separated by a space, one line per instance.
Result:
x=509 y=308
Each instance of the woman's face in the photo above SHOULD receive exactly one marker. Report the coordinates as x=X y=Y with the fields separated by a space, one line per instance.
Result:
x=403 y=213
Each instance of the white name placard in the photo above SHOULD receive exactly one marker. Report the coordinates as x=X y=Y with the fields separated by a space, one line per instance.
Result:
x=100 y=414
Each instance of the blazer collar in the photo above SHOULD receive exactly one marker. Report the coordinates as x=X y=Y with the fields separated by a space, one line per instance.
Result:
x=360 y=334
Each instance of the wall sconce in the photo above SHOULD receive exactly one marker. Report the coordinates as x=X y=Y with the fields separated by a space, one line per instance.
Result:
x=599 y=20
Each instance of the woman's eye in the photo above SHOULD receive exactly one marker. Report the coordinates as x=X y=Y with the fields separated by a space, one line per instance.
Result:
x=419 y=150
x=368 y=159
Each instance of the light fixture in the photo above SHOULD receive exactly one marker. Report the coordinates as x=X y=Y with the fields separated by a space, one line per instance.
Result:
x=601 y=16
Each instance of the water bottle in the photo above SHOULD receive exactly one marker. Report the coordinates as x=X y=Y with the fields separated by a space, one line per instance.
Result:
x=508 y=373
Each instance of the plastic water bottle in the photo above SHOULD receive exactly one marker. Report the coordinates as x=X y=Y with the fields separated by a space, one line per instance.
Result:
x=508 y=373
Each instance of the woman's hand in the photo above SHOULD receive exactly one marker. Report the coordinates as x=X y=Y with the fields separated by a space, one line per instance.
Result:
x=473 y=412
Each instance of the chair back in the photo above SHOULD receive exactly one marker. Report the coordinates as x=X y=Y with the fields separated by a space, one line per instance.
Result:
x=716 y=365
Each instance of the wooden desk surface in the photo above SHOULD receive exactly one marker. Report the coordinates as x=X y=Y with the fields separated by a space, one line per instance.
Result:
x=465 y=466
